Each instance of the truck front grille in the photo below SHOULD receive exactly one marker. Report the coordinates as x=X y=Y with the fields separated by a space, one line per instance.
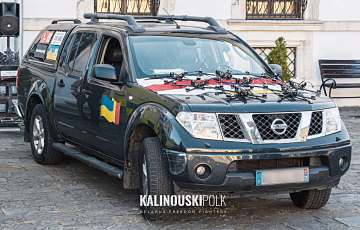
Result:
x=316 y=124
x=251 y=127
x=230 y=126
x=263 y=123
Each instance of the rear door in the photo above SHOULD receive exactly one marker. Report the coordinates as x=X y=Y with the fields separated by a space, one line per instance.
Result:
x=71 y=71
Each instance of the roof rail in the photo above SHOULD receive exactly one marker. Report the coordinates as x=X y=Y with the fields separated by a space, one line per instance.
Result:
x=76 y=21
x=129 y=19
x=211 y=21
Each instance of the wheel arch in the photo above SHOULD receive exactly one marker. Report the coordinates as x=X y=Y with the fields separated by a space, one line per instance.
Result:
x=149 y=120
x=39 y=93
x=33 y=100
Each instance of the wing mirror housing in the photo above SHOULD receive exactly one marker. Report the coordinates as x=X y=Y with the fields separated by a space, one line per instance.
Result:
x=277 y=69
x=105 y=72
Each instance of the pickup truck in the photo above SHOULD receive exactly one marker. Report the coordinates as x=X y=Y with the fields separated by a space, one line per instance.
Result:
x=172 y=108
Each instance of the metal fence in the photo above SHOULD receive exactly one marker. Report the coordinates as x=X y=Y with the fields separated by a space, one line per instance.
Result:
x=291 y=53
x=275 y=9
x=130 y=7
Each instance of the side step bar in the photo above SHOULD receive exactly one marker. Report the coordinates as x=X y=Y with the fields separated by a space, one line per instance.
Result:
x=9 y=129
x=89 y=160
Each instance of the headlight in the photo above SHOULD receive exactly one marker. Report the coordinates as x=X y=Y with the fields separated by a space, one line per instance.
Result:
x=200 y=125
x=333 y=121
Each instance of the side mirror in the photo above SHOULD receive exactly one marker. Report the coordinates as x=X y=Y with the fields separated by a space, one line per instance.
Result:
x=104 y=72
x=277 y=69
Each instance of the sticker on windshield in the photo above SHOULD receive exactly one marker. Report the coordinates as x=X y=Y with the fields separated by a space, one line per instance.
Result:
x=52 y=52
x=46 y=37
x=58 y=38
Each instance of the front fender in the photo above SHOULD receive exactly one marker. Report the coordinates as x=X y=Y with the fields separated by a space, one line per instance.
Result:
x=160 y=120
x=162 y=124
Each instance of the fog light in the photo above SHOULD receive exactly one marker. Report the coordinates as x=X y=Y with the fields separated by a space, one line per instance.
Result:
x=341 y=162
x=200 y=171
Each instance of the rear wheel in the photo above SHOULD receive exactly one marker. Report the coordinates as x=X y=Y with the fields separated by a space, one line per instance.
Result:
x=154 y=175
x=41 y=139
x=311 y=199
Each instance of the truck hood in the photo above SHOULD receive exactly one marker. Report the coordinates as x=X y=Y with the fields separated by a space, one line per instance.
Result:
x=213 y=100
x=210 y=102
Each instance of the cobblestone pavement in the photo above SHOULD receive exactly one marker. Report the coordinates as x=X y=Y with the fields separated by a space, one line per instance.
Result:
x=72 y=195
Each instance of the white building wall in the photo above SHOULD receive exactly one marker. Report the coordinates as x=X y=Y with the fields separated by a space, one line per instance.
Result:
x=214 y=8
x=50 y=9
x=28 y=38
x=339 y=10
x=335 y=45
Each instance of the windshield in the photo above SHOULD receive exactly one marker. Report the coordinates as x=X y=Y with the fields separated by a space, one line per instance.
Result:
x=161 y=55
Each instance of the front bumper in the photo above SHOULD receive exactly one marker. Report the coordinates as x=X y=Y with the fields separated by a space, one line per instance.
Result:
x=321 y=176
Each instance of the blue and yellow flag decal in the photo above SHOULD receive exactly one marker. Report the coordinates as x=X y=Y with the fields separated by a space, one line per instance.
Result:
x=110 y=109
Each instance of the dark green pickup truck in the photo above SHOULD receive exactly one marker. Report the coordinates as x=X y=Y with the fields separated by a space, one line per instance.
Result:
x=168 y=107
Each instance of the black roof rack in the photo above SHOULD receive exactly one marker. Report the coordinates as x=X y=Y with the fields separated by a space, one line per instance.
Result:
x=211 y=21
x=214 y=26
x=129 y=19
x=76 y=21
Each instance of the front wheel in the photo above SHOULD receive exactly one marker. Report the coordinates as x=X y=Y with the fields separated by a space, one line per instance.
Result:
x=311 y=199
x=154 y=176
x=41 y=139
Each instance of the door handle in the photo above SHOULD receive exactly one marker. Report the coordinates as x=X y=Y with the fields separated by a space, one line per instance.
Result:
x=85 y=91
x=61 y=84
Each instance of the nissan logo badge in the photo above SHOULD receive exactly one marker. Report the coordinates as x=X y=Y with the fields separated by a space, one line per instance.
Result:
x=278 y=126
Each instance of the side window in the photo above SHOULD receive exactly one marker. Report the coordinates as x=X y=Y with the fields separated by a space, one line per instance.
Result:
x=46 y=46
x=66 y=50
x=32 y=50
x=73 y=50
x=83 y=52
x=110 y=53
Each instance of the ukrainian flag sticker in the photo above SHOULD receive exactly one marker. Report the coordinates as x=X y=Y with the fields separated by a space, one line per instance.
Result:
x=110 y=110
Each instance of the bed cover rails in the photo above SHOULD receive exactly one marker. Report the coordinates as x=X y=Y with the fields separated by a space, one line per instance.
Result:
x=133 y=25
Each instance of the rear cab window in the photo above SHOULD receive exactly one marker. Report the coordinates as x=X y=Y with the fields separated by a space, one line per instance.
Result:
x=48 y=44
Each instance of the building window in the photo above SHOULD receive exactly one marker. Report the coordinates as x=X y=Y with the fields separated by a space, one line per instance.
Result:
x=275 y=9
x=291 y=53
x=130 y=7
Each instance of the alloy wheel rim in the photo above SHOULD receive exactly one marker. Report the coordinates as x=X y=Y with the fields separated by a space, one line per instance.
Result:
x=39 y=135
x=145 y=188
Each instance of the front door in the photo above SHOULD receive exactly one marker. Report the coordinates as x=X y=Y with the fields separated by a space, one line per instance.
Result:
x=103 y=103
x=70 y=75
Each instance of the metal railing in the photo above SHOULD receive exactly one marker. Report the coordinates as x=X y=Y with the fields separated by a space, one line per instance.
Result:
x=128 y=7
x=291 y=53
x=275 y=9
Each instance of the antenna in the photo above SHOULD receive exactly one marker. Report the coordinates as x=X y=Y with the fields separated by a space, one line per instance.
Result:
x=171 y=18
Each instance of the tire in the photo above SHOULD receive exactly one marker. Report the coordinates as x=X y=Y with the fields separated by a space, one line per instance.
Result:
x=41 y=139
x=156 y=180
x=311 y=199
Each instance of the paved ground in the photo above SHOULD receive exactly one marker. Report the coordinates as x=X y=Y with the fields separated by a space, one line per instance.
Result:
x=73 y=195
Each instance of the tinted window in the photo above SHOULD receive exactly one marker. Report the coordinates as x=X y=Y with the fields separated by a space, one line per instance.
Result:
x=65 y=50
x=163 y=54
x=83 y=52
x=46 y=46
x=73 y=51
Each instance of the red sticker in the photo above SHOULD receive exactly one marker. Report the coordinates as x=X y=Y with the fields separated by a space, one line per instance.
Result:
x=305 y=171
x=46 y=37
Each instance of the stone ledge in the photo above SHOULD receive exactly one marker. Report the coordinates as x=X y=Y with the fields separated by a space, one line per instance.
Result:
x=290 y=25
